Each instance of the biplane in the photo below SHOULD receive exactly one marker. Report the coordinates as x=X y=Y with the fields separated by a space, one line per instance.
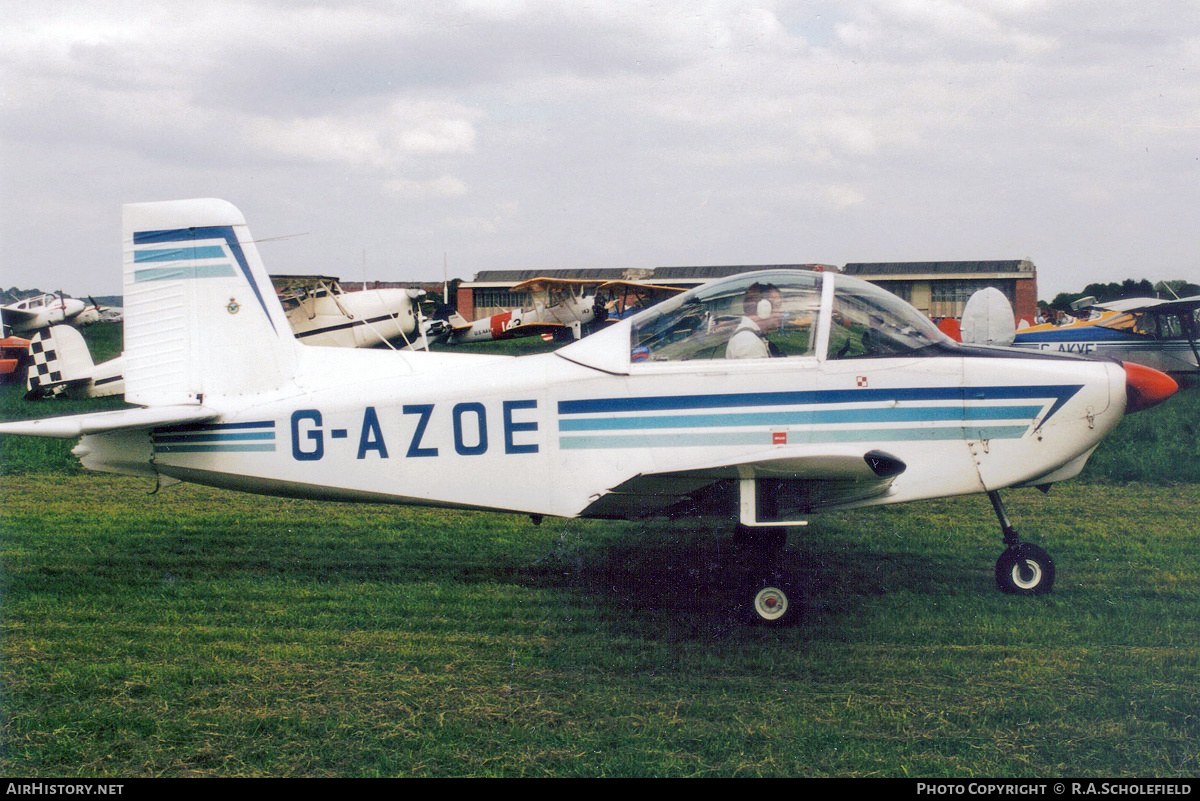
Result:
x=561 y=308
x=322 y=312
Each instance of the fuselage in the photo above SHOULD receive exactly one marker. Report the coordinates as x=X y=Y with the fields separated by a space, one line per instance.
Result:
x=546 y=435
x=1168 y=354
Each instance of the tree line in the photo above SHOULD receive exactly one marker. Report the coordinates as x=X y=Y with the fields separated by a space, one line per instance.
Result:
x=1129 y=288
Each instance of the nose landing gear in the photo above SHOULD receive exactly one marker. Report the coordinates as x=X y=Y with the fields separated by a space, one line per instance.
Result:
x=1023 y=568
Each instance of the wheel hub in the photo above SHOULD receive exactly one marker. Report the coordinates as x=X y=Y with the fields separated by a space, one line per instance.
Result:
x=771 y=603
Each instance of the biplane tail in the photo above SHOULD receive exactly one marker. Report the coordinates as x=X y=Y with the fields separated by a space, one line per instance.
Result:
x=201 y=316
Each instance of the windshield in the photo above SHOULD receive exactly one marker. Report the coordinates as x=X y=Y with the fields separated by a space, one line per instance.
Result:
x=869 y=322
x=756 y=315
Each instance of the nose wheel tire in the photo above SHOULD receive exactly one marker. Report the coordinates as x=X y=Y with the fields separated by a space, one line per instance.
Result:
x=1025 y=569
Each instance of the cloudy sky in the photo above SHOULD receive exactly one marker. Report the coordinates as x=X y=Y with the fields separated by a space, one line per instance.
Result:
x=387 y=138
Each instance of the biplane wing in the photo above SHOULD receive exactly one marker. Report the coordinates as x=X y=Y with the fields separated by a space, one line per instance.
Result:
x=548 y=283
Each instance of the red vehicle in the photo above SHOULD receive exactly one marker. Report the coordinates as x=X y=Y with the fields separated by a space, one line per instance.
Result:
x=13 y=353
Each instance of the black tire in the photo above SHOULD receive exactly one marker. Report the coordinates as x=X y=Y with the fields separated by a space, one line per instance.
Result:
x=1025 y=569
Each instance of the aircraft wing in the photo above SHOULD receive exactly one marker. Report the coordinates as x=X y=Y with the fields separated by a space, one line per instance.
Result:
x=18 y=316
x=633 y=286
x=1156 y=305
x=300 y=281
x=545 y=283
x=811 y=482
x=104 y=422
x=632 y=296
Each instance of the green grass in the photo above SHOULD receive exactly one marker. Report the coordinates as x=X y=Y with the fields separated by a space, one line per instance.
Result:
x=1161 y=444
x=196 y=632
x=35 y=455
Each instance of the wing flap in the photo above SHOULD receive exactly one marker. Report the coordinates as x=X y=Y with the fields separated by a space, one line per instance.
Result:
x=799 y=483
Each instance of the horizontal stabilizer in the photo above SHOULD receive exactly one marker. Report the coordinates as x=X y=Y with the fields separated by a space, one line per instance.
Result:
x=103 y=422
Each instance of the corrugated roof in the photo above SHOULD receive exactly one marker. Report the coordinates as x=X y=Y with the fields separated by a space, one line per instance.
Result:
x=934 y=267
x=517 y=276
x=660 y=274
x=669 y=275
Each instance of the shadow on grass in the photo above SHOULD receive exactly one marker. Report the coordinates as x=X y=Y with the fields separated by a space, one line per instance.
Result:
x=642 y=578
x=705 y=585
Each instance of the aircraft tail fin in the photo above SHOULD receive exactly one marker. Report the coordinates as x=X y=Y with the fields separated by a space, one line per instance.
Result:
x=201 y=315
x=59 y=358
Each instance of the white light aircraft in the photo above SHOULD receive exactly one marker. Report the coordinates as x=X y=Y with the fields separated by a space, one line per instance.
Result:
x=42 y=311
x=867 y=403
x=60 y=363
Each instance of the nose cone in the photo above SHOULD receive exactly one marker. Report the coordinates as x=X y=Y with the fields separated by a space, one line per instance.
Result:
x=1146 y=387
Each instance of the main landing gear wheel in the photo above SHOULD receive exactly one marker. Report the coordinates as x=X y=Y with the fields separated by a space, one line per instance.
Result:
x=774 y=605
x=765 y=597
x=1025 y=569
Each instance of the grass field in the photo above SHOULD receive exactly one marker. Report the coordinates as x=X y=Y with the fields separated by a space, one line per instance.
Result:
x=196 y=632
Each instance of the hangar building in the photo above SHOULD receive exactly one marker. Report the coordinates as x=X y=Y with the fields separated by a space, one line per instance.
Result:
x=937 y=288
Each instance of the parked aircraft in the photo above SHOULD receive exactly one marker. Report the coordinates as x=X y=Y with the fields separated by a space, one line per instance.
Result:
x=318 y=309
x=649 y=417
x=42 y=311
x=60 y=363
x=321 y=312
x=624 y=298
x=561 y=308
x=1162 y=334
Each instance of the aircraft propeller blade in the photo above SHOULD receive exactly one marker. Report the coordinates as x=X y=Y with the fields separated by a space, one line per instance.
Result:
x=1146 y=387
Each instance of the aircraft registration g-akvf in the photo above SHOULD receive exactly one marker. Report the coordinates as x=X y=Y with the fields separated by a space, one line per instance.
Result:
x=1159 y=333
x=847 y=396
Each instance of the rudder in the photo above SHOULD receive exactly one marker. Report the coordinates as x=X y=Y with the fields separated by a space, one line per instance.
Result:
x=201 y=315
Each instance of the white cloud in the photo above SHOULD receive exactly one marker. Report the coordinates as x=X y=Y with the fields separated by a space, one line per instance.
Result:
x=387 y=139
x=442 y=186
x=533 y=130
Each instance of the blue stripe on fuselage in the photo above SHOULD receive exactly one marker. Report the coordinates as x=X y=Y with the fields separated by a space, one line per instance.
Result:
x=816 y=417
x=659 y=403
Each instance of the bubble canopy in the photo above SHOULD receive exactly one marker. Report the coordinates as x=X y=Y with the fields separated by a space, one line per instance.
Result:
x=762 y=315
